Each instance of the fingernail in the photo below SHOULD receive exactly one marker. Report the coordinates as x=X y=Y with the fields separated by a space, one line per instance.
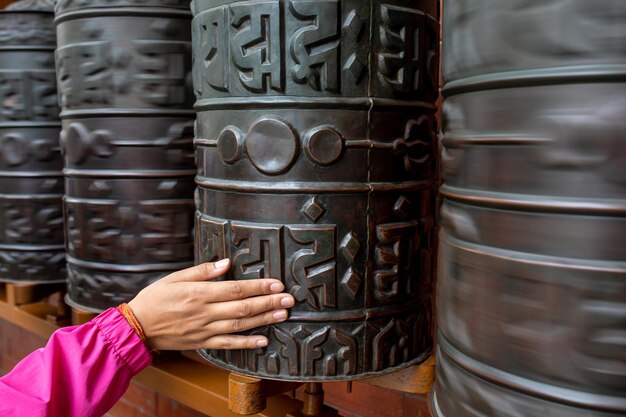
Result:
x=280 y=315
x=287 y=302
x=277 y=287
x=221 y=264
x=261 y=342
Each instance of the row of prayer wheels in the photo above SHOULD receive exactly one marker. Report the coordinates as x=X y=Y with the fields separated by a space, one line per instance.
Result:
x=315 y=158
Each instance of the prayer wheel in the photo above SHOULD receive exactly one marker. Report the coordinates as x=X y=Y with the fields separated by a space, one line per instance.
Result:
x=31 y=179
x=316 y=154
x=124 y=75
x=531 y=293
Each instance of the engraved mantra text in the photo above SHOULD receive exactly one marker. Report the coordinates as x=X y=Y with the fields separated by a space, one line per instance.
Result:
x=253 y=42
x=310 y=255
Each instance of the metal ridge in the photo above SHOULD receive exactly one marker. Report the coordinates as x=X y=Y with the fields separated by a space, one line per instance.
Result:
x=528 y=386
x=532 y=203
x=537 y=77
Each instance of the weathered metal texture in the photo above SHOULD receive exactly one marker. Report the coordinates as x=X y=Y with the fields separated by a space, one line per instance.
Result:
x=62 y=6
x=31 y=181
x=531 y=295
x=316 y=165
x=124 y=75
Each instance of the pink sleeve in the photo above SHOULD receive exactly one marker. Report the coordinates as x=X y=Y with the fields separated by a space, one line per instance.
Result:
x=82 y=371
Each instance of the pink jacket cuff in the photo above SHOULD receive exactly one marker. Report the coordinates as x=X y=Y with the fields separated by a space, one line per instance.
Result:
x=125 y=343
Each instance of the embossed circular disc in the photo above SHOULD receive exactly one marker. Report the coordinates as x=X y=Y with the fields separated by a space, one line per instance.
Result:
x=43 y=149
x=324 y=146
x=74 y=143
x=271 y=146
x=14 y=150
x=229 y=145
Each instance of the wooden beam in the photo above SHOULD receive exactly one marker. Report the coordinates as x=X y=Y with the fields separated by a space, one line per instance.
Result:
x=19 y=294
x=30 y=317
x=417 y=379
x=204 y=388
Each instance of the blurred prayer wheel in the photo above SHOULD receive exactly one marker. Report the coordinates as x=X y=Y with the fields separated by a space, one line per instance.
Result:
x=316 y=154
x=124 y=75
x=531 y=295
x=31 y=180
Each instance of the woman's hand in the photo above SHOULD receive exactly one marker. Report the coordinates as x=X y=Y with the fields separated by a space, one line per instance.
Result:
x=186 y=311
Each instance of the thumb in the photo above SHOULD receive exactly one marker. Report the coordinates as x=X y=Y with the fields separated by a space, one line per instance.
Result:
x=203 y=272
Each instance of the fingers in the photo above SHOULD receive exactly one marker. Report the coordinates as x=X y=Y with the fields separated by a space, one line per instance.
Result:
x=235 y=342
x=202 y=272
x=238 y=290
x=249 y=307
x=222 y=327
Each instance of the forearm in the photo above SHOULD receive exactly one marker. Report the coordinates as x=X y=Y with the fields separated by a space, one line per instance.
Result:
x=82 y=371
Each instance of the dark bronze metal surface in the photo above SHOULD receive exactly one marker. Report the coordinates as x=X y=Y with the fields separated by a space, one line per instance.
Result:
x=531 y=295
x=31 y=181
x=316 y=165
x=124 y=74
x=62 y=6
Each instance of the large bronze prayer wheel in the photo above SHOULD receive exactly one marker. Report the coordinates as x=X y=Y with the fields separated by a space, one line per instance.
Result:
x=316 y=165
x=31 y=179
x=531 y=294
x=124 y=75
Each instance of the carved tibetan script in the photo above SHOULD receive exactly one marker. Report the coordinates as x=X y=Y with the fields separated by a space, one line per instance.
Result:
x=270 y=46
x=306 y=254
x=97 y=73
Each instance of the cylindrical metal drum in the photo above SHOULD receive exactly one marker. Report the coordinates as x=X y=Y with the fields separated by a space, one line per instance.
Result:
x=316 y=165
x=124 y=75
x=31 y=180
x=531 y=296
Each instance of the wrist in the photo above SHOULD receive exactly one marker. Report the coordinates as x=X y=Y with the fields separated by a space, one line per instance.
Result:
x=127 y=312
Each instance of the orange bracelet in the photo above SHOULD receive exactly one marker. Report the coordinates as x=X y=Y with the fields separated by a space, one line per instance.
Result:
x=128 y=314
